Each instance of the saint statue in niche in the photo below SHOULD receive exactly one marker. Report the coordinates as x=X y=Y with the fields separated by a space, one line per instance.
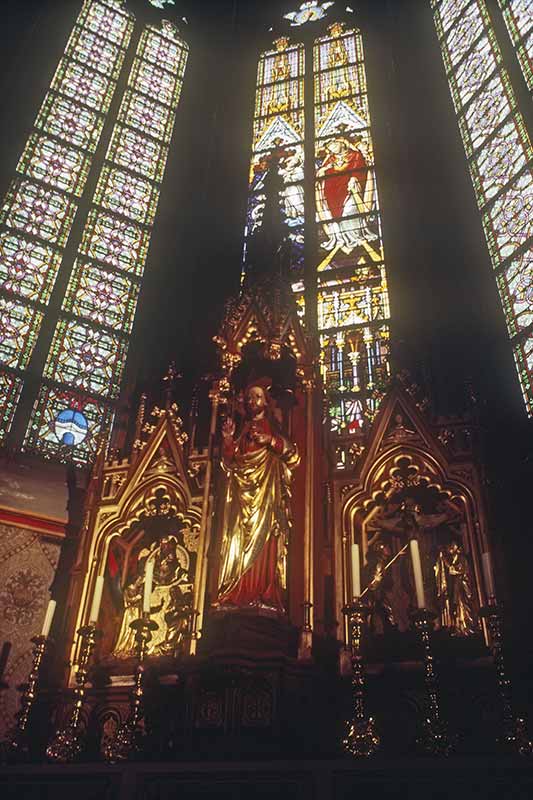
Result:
x=171 y=599
x=257 y=519
x=455 y=593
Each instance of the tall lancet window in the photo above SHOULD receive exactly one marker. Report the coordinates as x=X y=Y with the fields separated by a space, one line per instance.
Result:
x=278 y=135
x=518 y=16
x=353 y=307
x=83 y=371
x=37 y=213
x=500 y=158
x=325 y=155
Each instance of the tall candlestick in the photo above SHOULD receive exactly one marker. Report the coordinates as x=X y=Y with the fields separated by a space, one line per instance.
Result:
x=356 y=571
x=488 y=575
x=97 y=599
x=148 y=580
x=417 y=571
x=48 y=617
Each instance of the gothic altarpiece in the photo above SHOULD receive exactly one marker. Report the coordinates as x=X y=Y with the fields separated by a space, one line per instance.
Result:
x=411 y=477
x=146 y=507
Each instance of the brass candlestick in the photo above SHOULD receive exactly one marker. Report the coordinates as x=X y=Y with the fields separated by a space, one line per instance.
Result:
x=434 y=737
x=129 y=738
x=18 y=742
x=515 y=737
x=66 y=743
x=361 y=738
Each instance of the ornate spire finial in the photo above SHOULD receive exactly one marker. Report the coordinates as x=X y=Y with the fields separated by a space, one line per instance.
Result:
x=169 y=381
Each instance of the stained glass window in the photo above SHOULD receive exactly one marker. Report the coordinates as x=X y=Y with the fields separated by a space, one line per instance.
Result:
x=518 y=16
x=278 y=136
x=352 y=297
x=85 y=365
x=499 y=152
x=353 y=306
x=38 y=210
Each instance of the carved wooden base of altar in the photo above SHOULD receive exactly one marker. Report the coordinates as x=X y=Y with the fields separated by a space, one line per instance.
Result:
x=249 y=632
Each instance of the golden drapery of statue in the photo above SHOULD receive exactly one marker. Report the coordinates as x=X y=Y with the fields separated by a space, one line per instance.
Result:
x=257 y=518
x=454 y=591
x=171 y=600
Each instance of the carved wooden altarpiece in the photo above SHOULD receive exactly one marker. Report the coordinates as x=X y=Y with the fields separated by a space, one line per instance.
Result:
x=409 y=476
x=136 y=506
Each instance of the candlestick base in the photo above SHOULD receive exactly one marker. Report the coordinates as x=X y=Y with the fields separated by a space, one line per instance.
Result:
x=433 y=739
x=129 y=740
x=361 y=739
x=514 y=738
x=67 y=742
x=17 y=744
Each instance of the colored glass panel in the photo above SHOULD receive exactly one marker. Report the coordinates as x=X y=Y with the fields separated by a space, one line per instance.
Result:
x=516 y=289
x=56 y=164
x=518 y=16
x=98 y=54
x=78 y=440
x=146 y=115
x=117 y=243
x=88 y=87
x=523 y=354
x=67 y=120
x=134 y=151
x=86 y=358
x=499 y=154
x=19 y=325
x=278 y=143
x=39 y=208
x=27 y=268
x=91 y=339
x=127 y=195
x=352 y=288
x=101 y=297
x=10 y=389
x=37 y=211
x=355 y=361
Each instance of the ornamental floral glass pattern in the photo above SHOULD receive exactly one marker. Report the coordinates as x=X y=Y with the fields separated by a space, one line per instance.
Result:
x=353 y=305
x=278 y=137
x=84 y=369
x=37 y=213
x=518 y=16
x=499 y=153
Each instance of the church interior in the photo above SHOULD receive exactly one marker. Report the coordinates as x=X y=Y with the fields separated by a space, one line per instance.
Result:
x=266 y=390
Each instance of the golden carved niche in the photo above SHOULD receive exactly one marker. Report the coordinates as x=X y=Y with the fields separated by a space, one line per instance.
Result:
x=148 y=504
x=407 y=480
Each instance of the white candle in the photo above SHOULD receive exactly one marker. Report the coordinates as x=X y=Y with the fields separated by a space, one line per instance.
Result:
x=97 y=599
x=488 y=575
x=148 y=580
x=48 y=617
x=417 y=571
x=356 y=571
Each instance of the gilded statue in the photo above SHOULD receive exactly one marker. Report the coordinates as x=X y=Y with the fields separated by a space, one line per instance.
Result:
x=170 y=603
x=454 y=591
x=257 y=520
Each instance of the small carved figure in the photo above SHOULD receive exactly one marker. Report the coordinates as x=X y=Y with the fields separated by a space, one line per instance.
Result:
x=170 y=604
x=454 y=591
x=379 y=583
